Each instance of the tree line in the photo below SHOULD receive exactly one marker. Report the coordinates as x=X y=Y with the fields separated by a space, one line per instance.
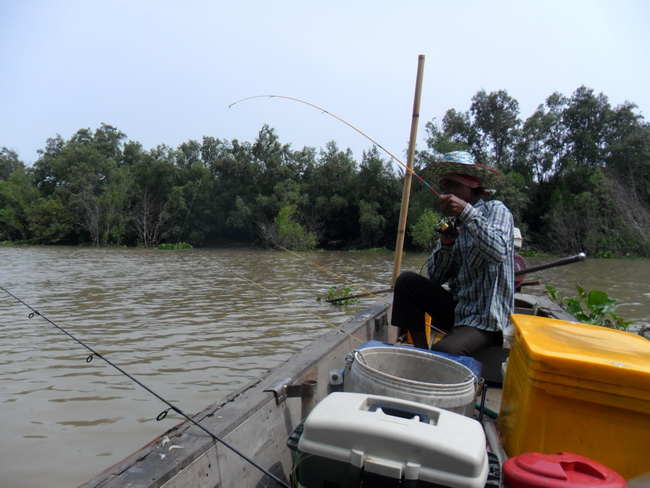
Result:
x=576 y=176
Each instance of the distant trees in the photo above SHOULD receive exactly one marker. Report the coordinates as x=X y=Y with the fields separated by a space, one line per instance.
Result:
x=576 y=177
x=17 y=194
x=573 y=169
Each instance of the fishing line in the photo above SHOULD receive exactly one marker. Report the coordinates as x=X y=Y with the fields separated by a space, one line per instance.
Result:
x=349 y=125
x=163 y=414
x=332 y=273
x=368 y=293
x=189 y=209
x=278 y=296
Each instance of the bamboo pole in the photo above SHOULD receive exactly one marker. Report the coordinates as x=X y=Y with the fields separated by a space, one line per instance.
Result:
x=408 y=176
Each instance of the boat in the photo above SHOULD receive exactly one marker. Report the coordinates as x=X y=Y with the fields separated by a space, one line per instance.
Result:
x=254 y=424
x=252 y=438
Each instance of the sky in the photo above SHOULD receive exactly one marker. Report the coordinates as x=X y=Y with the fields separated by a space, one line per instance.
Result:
x=166 y=72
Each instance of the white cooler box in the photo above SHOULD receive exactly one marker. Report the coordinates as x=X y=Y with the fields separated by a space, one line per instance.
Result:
x=356 y=439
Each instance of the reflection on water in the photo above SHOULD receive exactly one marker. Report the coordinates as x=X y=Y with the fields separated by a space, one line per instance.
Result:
x=191 y=325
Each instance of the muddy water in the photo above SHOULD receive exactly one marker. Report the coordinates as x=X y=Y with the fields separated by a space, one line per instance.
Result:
x=191 y=325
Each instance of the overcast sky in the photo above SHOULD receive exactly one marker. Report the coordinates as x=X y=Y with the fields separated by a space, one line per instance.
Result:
x=165 y=72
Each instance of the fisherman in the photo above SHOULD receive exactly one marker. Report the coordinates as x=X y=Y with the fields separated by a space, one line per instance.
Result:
x=474 y=258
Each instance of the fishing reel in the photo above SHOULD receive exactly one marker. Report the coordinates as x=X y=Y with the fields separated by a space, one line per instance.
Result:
x=447 y=227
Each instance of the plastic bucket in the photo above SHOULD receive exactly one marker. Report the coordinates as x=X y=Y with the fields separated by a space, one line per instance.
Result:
x=411 y=374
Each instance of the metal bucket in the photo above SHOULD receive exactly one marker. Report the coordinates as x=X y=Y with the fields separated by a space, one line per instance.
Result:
x=412 y=374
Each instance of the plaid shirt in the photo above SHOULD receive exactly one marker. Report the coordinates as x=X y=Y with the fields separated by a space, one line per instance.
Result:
x=479 y=266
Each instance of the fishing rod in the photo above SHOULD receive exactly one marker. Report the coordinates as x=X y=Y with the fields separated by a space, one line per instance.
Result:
x=332 y=273
x=407 y=167
x=560 y=262
x=163 y=414
x=425 y=183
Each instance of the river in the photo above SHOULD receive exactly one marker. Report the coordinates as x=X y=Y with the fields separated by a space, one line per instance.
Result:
x=191 y=325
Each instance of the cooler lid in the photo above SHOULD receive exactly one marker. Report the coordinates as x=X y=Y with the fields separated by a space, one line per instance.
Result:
x=588 y=352
x=566 y=470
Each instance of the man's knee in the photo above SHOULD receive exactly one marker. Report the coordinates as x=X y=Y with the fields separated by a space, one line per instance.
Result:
x=453 y=345
x=464 y=340
x=405 y=278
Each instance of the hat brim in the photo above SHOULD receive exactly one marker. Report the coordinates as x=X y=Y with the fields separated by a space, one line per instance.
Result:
x=487 y=176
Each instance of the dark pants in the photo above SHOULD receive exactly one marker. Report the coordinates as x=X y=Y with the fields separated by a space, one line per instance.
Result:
x=416 y=295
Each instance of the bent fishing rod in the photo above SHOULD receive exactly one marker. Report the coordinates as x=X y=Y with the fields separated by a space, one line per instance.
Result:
x=424 y=182
x=163 y=414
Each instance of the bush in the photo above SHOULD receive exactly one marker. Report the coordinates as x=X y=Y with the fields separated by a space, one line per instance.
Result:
x=346 y=291
x=599 y=308
x=287 y=233
x=423 y=232
x=174 y=247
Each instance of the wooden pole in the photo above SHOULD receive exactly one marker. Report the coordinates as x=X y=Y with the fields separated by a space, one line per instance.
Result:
x=408 y=176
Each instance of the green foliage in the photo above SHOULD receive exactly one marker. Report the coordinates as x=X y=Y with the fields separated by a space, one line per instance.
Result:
x=606 y=254
x=592 y=157
x=174 y=247
x=422 y=232
x=50 y=221
x=288 y=233
x=371 y=224
x=496 y=124
x=514 y=192
x=531 y=253
x=16 y=195
x=340 y=292
x=593 y=307
x=9 y=163
x=576 y=176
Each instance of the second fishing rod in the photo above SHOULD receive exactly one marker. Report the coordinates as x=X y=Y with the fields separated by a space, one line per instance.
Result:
x=94 y=353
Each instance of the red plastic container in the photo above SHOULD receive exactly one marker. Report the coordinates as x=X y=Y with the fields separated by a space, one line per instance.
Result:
x=563 y=470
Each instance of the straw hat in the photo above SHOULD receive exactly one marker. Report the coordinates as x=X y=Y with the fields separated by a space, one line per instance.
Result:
x=461 y=163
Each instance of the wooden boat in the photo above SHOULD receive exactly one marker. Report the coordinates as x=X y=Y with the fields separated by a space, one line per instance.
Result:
x=255 y=423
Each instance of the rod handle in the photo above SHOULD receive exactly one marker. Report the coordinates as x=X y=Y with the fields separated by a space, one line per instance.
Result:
x=560 y=262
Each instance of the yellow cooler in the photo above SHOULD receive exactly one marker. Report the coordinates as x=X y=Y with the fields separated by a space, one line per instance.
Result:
x=578 y=388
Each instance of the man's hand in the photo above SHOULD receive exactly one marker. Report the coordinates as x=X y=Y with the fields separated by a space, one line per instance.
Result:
x=448 y=240
x=452 y=205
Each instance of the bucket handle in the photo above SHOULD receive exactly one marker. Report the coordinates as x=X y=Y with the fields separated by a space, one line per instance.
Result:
x=356 y=353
